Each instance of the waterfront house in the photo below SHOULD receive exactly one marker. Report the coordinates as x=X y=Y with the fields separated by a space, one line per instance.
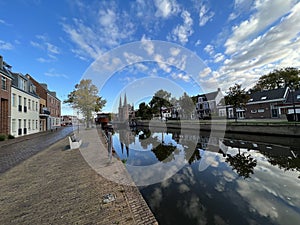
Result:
x=265 y=104
x=24 y=106
x=5 y=97
x=207 y=104
x=292 y=104
x=49 y=107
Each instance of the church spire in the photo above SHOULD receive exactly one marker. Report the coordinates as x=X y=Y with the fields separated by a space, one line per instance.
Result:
x=125 y=100
x=120 y=103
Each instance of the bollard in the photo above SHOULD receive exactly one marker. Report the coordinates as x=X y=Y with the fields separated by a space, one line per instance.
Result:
x=109 y=146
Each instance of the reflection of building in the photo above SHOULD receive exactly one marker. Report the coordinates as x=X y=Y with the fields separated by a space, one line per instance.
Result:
x=125 y=111
x=126 y=137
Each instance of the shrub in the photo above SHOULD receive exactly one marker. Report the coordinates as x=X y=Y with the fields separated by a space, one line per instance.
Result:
x=2 y=137
x=10 y=136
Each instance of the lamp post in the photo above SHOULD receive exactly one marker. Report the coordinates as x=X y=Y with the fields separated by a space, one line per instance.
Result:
x=293 y=101
x=78 y=122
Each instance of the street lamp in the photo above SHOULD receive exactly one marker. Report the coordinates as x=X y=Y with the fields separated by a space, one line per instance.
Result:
x=78 y=122
x=293 y=101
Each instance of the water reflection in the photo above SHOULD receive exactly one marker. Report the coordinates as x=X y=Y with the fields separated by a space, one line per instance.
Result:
x=225 y=180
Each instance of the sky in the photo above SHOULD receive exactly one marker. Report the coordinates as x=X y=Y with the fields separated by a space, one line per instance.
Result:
x=191 y=46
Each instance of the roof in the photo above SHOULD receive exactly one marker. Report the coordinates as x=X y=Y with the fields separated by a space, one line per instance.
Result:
x=268 y=95
x=296 y=96
x=210 y=95
x=6 y=72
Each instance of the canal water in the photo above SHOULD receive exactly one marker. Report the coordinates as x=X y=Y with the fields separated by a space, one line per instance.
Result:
x=189 y=178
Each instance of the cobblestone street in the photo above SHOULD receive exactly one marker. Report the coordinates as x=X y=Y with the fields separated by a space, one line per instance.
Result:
x=16 y=150
x=57 y=186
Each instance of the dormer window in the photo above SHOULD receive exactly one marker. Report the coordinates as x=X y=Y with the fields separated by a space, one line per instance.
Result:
x=298 y=97
x=250 y=100
x=263 y=98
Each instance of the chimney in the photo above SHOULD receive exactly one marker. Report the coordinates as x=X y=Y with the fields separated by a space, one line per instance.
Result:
x=44 y=86
x=1 y=62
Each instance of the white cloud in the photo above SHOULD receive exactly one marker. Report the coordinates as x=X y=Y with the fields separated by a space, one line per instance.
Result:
x=205 y=72
x=182 y=32
x=198 y=42
x=255 y=49
x=205 y=15
x=5 y=45
x=267 y=12
x=209 y=49
x=166 y=8
x=53 y=73
x=113 y=27
x=43 y=44
x=148 y=45
x=181 y=76
x=240 y=7
x=219 y=57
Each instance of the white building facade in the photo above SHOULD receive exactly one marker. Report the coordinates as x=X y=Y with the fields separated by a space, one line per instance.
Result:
x=24 y=107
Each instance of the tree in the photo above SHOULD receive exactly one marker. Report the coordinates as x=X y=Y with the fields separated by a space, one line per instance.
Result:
x=278 y=78
x=237 y=97
x=144 y=111
x=85 y=99
x=160 y=99
x=187 y=105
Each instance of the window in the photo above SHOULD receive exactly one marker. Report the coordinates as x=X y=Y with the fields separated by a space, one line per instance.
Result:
x=25 y=127
x=260 y=110
x=22 y=84
x=29 y=124
x=20 y=127
x=36 y=106
x=4 y=83
x=29 y=104
x=25 y=105
x=33 y=124
x=250 y=100
x=253 y=111
x=298 y=97
x=36 y=124
x=32 y=105
x=263 y=98
x=20 y=104
x=13 y=126
x=14 y=103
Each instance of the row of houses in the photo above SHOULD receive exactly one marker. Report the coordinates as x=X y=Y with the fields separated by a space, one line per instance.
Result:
x=26 y=106
x=267 y=104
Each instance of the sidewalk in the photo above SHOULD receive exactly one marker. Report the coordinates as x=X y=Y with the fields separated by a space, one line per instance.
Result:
x=59 y=186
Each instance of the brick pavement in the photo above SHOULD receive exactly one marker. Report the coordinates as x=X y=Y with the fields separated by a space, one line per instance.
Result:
x=16 y=150
x=58 y=186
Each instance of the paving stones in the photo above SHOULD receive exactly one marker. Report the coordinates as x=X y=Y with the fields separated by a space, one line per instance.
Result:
x=59 y=187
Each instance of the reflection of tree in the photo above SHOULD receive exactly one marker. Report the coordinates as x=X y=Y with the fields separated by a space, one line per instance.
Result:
x=194 y=157
x=243 y=164
x=164 y=153
x=286 y=163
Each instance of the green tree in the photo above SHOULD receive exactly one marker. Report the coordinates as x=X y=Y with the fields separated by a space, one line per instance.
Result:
x=160 y=99
x=237 y=98
x=144 y=111
x=187 y=105
x=85 y=99
x=278 y=78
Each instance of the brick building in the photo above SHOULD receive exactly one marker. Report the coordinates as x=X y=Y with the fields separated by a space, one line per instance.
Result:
x=5 y=97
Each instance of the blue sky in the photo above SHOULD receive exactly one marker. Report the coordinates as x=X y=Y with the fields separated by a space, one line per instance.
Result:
x=57 y=42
